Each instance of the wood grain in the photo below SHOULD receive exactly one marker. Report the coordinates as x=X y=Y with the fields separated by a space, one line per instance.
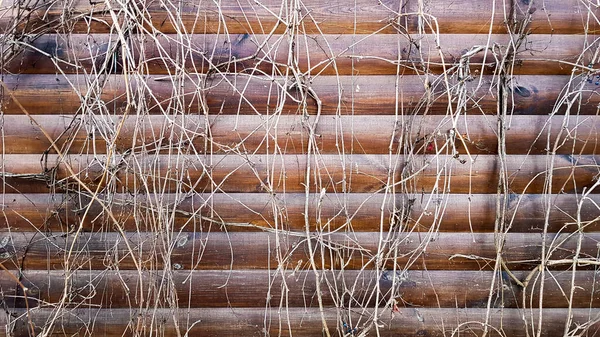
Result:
x=228 y=255
x=251 y=322
x=364 y=54
x=256 y=95
x=251 y=288
x=57 y=53
x=335 y=134
x=277 y=173
x=224 y=251
x=341 y=17
x=314 y=55
x=234 y=212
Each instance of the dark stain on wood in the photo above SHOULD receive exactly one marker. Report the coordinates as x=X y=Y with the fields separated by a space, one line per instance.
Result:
x=521 y=91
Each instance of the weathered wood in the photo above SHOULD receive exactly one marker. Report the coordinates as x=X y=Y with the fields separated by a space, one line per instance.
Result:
x=276 y=173
x=252 y=288
x=356 y=250
x=252 y=95
x=343 y=17
x=262 y=134
x=364 y=54
x=314 y=55
x=227 y=253
x=367 y=54
x=254 y=212
x=253 y=322
x=55 y=53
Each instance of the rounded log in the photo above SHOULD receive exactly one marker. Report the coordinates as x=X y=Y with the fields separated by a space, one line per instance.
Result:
x=235 y=212
x=70 y=54
x=241 y=94
x=257 y=288
x=220 y=322
x=334 y=134
x=379 y=54
x=246 y=173
x=539 y=54
x=343 y=17
x=290 y=250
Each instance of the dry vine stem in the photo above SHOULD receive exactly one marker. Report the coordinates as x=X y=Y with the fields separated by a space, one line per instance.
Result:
x=164 y=103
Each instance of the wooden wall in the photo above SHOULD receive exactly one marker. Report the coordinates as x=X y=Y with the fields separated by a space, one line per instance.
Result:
x=305 y=168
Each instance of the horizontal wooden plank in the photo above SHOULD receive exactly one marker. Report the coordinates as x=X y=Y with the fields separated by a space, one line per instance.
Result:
x=362 y=54
x=147 y=173
x=335 y=134
x=256 y=95
x=300 y=322
x=56 y=53
x=255 y=212
x=314 y=16
x=288 y=250
x=252 y=288
x=540 y=54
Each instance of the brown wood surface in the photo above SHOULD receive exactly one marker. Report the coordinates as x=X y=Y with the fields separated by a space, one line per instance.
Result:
x=355 y=250
x=340 y=17
x=228 y=256
x=251 y=321
x=251 y=288
x=278 y=173
x=364 y=54
x=252 y=95
x=254 y=212
x=539 y=54
x=263 y=134
x=56 y=53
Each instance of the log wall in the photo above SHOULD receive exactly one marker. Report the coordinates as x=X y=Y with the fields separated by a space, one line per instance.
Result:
x=287 y=168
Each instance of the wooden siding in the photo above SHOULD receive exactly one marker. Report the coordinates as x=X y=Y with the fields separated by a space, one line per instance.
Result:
x=314 y=168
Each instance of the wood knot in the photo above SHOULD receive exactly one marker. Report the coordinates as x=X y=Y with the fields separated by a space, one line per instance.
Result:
x=522 y=91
